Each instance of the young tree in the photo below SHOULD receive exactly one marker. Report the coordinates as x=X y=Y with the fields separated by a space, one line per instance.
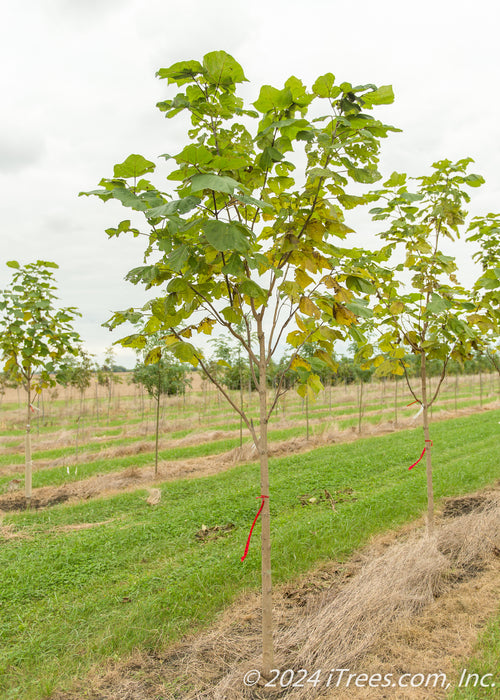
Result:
x=106 y=374
x=7 y=381
x=245 y=242
x=78 y=372
x=161 y=377
x=485 y=231
x=35 y=335
x=434 y=319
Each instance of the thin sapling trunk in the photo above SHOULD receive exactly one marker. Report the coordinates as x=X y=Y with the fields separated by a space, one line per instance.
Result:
x=267 y=602
x=28 y=462
x=428 y=448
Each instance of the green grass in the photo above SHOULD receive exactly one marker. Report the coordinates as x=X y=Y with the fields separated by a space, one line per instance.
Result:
x=69 y=599
x=75 y=471
x=485 y=660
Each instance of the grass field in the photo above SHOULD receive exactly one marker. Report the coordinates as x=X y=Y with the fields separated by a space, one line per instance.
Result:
x=482 y=667
x=93 y=580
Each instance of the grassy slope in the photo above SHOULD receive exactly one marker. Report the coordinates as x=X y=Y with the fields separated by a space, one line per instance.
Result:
x=70 y=598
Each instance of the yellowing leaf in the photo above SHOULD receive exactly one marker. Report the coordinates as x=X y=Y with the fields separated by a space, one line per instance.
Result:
x=300 y=322
x=206 y=326
x=309 y=308
x=397 y=307
x=305 y=390
x=327 y=359
x=299 y=362
x=315 y=383
x=343 y=316
x=296 y=338
x=302 y=278
x=342 y=294
x=329 y=282
x=315 y=230
x=153 y=356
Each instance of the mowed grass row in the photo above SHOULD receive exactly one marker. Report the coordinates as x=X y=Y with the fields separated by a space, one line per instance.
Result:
x=208 y=408
x=74 y=470
x=140 y=578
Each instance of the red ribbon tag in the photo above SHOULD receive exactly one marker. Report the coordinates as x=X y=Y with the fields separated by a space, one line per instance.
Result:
x=423 y=452
x=253 y=524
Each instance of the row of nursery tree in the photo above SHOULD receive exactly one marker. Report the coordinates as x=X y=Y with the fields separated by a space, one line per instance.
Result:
x=247 y=235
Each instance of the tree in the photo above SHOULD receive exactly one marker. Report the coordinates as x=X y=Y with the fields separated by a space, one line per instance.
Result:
x=36 y=335
x=78 y=372
x=162 y=377
x=106 y=375
x=485 y=230
x=243 y=241
x=436 y=319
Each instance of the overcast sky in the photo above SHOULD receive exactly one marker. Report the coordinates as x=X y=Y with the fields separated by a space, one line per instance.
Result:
x=78 y=93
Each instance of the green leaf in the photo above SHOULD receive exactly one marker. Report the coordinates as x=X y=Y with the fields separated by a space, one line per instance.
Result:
x=222 y=69
x=14 y=264
x=268 y=99
x=181 y=72
x=474 y=180
x=181 y=206
x=225 y=237
x=185 y=352
x=459 y=328
x=396 y=180
x=133 y=166
x=218 y=183
x=349 y=201
x=251 y=289
x=356 y=335
x=437 y=304
x=232 y=315
x=364 y=175
x=178 y=257
x=234 y=266
x=257 y=203
x=324 y=84
x=359 y=284
x=360 y=308
x=384 y=95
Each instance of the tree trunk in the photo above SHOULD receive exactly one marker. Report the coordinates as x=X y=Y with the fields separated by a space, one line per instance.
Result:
x=28 y=464
x=360 y=405
x=396 y=403
x=267 y=604
x=241 y=402
x=97 y=401
x=428 y=449
x=157 y=430
x=307 y=418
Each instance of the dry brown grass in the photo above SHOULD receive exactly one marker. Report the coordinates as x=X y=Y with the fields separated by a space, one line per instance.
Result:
x=378 y=613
